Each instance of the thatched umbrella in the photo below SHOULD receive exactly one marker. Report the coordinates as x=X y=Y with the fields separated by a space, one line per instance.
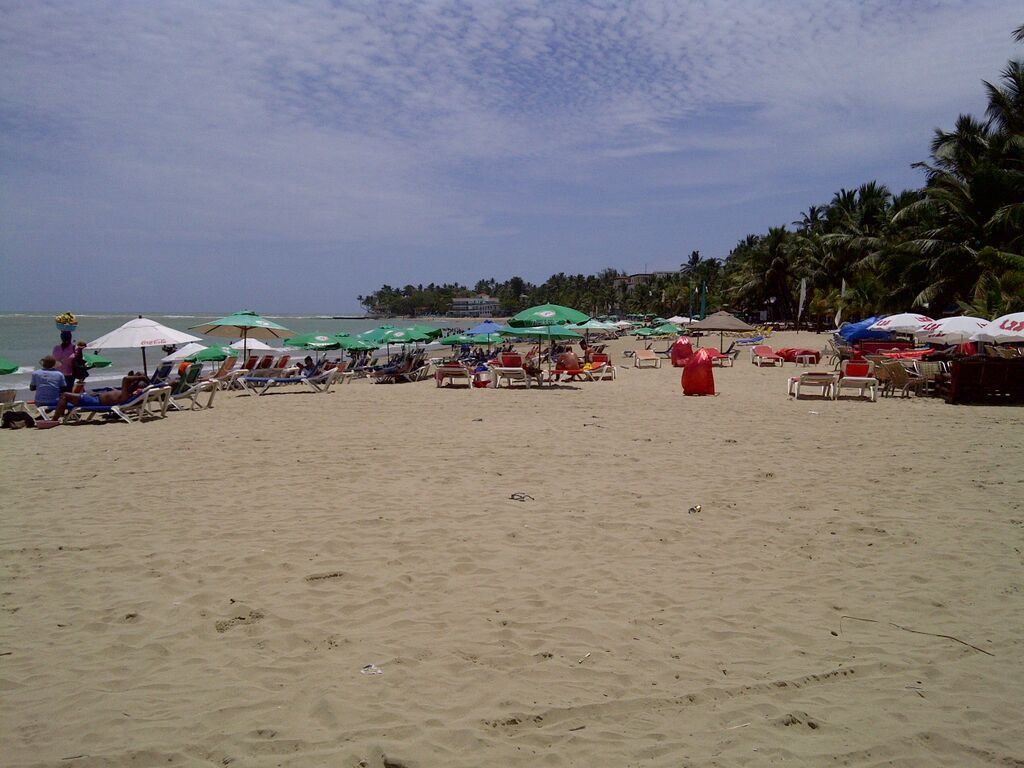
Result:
x=722 y=322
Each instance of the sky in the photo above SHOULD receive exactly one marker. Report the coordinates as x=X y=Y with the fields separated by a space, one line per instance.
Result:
x=289 y=156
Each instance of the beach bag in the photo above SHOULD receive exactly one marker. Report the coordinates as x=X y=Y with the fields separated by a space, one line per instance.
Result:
x=17 y=420
x=698 y=376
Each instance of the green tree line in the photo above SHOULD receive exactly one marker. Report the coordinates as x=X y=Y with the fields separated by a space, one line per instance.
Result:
x=954 y=245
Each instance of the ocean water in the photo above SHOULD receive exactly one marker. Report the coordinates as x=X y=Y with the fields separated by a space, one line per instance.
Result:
x=26 y=337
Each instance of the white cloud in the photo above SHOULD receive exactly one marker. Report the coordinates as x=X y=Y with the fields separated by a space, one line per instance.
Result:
x=402 y=125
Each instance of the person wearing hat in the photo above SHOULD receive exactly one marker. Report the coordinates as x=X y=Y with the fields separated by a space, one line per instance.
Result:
x=48 y=383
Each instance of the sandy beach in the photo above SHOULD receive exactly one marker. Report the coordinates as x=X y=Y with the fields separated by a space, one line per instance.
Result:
x=207 y=589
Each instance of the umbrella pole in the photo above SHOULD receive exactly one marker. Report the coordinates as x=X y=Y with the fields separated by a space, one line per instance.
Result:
x=144 y=371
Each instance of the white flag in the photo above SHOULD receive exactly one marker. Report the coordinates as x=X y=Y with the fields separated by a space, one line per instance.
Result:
x=839 y=314
x=803 y=298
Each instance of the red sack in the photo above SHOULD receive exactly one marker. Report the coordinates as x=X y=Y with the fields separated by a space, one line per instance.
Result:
x=698 y=378
x=681 y=352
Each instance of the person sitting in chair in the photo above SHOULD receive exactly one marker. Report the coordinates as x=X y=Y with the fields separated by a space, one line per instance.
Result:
x=48 y=383
x=567 y=361
x=131 y=385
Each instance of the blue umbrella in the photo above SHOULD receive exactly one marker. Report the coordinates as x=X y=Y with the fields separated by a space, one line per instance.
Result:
x=859 y=331
x=487 y=326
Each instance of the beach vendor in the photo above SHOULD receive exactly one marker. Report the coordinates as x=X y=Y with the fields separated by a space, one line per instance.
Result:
x=48 y=383
x=131 y=385
x=64 y=354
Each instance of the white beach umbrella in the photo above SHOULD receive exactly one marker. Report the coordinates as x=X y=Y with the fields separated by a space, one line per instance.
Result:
x=1007 y=329
x=907 y=322
x=139 y=334
x=181 y=354
x=679 y=320
x=253 y=345
x=951 y=330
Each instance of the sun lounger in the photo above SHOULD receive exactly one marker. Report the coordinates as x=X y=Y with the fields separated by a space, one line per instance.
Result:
x=858 y=375
x=222 y=372
x=510 y=368
x=762 y=354
x=814 y=380
x=892 y=375
x=151 y=401
x=747 y=342
x=602 y=367
x=162 y=373
x=452 y=372
x=645 y=358
x=320 y=382
x=189 y=387
x=571 y=374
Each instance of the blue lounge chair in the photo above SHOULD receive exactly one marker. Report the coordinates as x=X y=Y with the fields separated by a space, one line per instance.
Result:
x=151 y=401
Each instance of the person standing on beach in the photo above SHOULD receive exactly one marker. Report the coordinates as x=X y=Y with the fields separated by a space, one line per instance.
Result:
x=64 y=354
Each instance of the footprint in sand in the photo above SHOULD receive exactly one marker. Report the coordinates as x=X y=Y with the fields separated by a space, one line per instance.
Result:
x=251 y=618
x=798 y=718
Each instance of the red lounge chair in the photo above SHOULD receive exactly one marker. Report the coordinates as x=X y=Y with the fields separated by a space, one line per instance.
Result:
x=602 y=367
x=762 y=353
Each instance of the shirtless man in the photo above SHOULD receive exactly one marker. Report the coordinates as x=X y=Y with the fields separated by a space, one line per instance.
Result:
x=130 y=385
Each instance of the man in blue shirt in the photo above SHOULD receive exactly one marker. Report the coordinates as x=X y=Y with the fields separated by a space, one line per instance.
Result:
x=47 y=383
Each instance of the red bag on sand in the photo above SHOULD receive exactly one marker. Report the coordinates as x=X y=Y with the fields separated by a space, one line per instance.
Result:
x=681 y=352
x=698 y=378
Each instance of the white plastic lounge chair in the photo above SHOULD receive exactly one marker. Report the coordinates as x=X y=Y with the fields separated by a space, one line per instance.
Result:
x=642 y=358
x=192 y=394
x=151 y=401
x=857 y=375
x=452 y=372
x=9 y=401
x=510 y=368
x=260 y=385
x=813 y=380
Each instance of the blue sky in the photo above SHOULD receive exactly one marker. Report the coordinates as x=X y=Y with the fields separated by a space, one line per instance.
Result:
x=209 y=156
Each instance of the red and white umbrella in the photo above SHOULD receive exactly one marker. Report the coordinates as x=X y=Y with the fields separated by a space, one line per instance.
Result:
x=1007 y=329
x=951 y=330
x=908 y=322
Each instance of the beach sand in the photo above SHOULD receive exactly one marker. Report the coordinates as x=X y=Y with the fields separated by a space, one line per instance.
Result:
x=205 y=590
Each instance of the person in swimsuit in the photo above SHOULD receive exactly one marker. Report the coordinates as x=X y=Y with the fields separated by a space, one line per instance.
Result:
x=131 y=385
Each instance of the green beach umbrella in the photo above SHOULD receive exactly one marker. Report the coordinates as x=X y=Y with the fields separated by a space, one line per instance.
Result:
x=543 y=332
x=314 y=341
x=547 y=314
x=375 y=335
x=457 y=340
x=426 y=330
x=6 y=366
x=353 y=344
x=92 y=360
x=246 y=324
x=211 y=354
x=550 y=316
x=667 y=328
x=645 y=332
x=404 y=336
